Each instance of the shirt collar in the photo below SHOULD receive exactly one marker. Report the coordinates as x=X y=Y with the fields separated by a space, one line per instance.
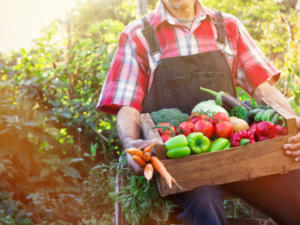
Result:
x=162 y=15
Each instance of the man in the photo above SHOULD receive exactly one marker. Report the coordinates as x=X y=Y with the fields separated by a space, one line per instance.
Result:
x=162 y=60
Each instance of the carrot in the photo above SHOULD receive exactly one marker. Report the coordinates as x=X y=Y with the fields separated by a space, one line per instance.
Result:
x=149 y=148
x=148 y=171
x=139 y=160
x=135 y=151
x=147 y=157
x=161 y=169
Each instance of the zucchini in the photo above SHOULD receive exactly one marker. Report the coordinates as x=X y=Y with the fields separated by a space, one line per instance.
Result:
x=266 y=116
x=258 y=115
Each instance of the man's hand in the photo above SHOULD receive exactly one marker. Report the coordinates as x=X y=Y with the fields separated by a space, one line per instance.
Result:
x=292 y=147
x=140 y=144
x=129 y=129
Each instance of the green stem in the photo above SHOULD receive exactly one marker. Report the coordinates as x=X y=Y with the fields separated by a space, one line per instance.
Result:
x=214 y=93
x=244 y=141
x=235 y=208
x=281 y=121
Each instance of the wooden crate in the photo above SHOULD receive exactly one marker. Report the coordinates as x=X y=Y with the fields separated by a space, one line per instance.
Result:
x=235 y=164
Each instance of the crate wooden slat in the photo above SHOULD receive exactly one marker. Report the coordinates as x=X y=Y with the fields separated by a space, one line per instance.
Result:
x=235 y=164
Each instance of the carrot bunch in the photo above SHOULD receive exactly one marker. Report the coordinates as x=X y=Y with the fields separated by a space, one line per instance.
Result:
x=145 y=159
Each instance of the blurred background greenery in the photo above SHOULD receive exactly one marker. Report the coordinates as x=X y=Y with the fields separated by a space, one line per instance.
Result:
x=58 y=155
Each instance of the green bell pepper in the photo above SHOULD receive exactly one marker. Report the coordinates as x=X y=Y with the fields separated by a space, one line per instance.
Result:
x=219 y=144
x=198 y=143
x=179 y=152
x=176 y=142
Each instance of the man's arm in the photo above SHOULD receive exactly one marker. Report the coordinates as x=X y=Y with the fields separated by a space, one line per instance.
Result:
x=128 y=125
x=129 y=130
x=266 y=90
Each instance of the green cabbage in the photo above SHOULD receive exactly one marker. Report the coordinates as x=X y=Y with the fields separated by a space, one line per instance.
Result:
x=209 y=107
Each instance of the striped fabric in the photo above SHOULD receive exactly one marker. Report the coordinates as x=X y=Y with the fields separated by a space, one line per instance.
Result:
x=132 y=69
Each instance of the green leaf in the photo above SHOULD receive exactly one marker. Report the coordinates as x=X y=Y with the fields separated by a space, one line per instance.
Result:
x=71 y=172
x=11 y=119
x=93 y=150
x=45 y=173
x=74 y=160
x=31 y=124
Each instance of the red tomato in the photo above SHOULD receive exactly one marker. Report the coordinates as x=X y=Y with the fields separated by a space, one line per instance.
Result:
x=166 y=128
x=196 y=116
x=186 y=128
x=224 y=129
x=165 y=137
x=205 y=127
x=219 y=117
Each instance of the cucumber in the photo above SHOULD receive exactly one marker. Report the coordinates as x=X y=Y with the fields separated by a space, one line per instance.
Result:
x=281 y=121
x=265 y=107
x=253 y=112
x=251 y=115
x=275 y=118
x=266 y=116
x=258 y=115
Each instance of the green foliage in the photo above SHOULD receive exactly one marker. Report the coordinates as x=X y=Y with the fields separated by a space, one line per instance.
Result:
x=11 y=212
x=141 y=202
x=277 y=32
x=50 y=132
x=49 y=109
x=100 y=185
x=92 y=12
x=234 y=208
x=91 y=206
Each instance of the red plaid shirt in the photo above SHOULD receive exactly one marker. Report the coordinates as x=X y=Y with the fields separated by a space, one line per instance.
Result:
x=132 y=69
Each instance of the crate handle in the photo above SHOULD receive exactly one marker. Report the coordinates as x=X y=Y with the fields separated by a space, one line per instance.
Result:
x=149 y=133
x=288 y=116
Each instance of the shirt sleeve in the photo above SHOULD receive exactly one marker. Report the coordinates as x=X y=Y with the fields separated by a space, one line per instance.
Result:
x=253 y=68
x=127 y=79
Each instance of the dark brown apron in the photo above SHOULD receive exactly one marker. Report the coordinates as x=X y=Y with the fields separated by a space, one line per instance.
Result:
x=177 y=80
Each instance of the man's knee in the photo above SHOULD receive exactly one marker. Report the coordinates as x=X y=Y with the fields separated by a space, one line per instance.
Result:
x=209 y=197
x=208 y=191
x=198 y=197
x=203 y=204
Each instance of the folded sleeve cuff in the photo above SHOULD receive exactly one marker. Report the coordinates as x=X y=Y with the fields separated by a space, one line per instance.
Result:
x=114 y=108
x=261 y=76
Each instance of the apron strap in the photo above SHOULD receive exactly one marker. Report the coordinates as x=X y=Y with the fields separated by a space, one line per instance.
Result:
x=220 y=28
x=151 y=38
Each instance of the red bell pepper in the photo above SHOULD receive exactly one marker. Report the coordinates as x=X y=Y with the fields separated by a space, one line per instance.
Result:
x=242 y=137
x=280 y=131
x=265 y=130
x=253 y=128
